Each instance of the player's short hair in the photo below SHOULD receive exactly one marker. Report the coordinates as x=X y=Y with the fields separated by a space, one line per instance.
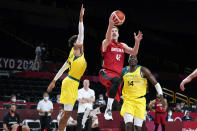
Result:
x=72 y=40
x=116 y=27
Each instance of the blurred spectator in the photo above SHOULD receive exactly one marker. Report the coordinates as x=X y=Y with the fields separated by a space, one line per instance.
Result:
x=178 y=107
x=71 y=123
x=187 y=116
x=12 y=121
x=169 y=116
x=100 y=101
x=58 y=98
x=95 y=124
x=45 y=108
x=40 y=52
x=86 y=97
x=13 y=98
x=193 y=107
x=183 y=106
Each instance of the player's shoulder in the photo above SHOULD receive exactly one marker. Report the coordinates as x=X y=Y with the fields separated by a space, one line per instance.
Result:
x=144 y=69
x=125 y=70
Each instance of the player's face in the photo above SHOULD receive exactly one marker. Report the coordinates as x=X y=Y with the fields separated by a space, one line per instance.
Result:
x=133 y=60
x=115 y=34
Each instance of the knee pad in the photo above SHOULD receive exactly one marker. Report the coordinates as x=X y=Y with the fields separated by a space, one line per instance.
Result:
x=68 y=107
x=128 y=118
x=138 y=121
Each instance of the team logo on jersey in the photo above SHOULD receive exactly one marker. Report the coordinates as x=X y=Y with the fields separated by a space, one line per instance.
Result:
x=117 y=50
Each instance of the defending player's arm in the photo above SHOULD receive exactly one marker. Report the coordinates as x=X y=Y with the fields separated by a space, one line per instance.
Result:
x=58 y=75
x=146 y=72
x=188 y=79
x=107 y=39
x=134 y=50
x=152 y=103
x=80 y=38
x=166 y=104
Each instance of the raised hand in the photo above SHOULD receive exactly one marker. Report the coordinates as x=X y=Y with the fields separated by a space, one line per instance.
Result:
x=182 y=86
x=51 y=86
x=81 y=13
x=112 y=20
x=138 y=37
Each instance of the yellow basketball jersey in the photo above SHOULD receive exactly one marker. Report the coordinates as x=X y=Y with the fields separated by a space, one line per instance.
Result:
x=134 y=84
x=77 y=65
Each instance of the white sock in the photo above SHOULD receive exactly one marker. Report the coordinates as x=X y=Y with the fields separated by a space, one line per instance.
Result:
x=95 y=112
x=109 y=103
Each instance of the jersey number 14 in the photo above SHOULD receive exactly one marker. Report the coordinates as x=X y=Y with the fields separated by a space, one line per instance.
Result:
x=130 y=83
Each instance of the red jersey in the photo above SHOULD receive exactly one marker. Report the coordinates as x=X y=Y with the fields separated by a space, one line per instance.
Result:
x=113 y=57
x=158 y=106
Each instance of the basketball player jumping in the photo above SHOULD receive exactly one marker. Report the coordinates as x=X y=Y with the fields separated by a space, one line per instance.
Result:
x=188 y=79
x=134 y=89
x=77 y=65
x=113 y=60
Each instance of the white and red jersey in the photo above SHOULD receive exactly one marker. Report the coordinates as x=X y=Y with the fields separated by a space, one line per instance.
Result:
x=114 y=57
x=158 y=106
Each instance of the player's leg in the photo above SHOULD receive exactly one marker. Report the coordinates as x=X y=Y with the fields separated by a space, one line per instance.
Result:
x=156 y=127
x=138 y=123
x=128 y=119
x=163 y=121
x=68 y=96
x=157 y=121
x=139 y=113
x=65 y=116
x=112 y=93
x=163 y=127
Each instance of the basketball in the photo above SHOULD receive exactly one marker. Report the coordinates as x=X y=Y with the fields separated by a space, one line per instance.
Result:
x=119 y=17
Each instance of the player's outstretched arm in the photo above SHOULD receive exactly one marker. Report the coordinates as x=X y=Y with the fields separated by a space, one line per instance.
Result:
x=188 y=79
x=58 y=75
x=146 y=72
x=80 y=38
x=107 y=39
x=134 y=50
